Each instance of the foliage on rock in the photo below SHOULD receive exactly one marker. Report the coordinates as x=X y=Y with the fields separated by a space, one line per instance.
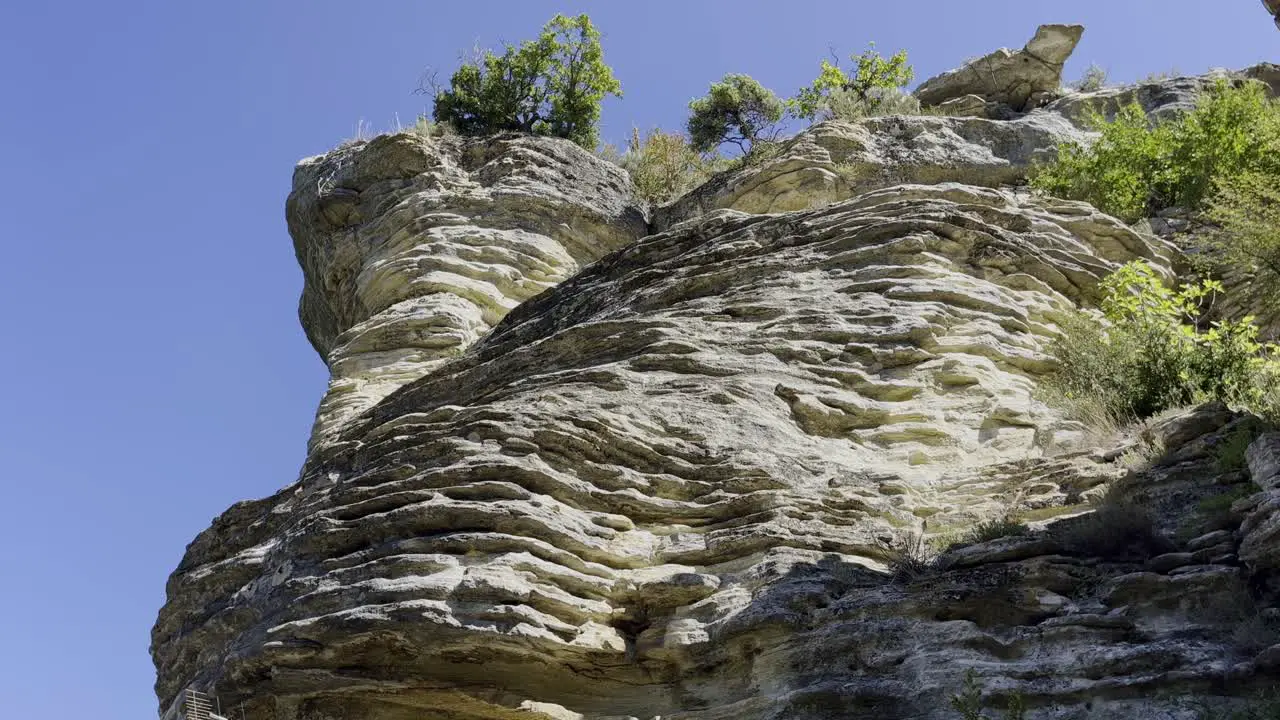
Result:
x=995 y=529
x=1246 y=209
x=552 y=85
x=663 y=165
x=1148 y=354
x=1117 y=529
x=1135 y=169
x=737 y=110
x=910 y=557
x=873 y=88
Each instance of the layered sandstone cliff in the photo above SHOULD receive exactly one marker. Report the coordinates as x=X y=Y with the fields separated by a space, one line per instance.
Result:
x=580 y=461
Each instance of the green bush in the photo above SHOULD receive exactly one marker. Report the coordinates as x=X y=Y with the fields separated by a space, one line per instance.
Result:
x=848 y=105
x=553 y=85
x=1246 y=209
x=425 y=127
x=664 y=165
x=1134 y=169
x=874 y=88
x=1117 y=172
x=737 y=110
x=1148 y=354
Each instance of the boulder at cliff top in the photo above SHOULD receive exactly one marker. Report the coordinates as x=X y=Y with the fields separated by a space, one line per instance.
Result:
x=1019 y=79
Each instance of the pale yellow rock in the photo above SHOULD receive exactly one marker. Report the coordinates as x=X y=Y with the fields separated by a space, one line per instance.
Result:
x=414 y=247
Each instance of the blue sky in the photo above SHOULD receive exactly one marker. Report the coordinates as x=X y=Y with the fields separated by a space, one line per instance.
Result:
x=154 y=368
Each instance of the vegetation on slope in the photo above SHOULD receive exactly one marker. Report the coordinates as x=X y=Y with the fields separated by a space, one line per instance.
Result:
x=1148 y=353
x=1136 y=169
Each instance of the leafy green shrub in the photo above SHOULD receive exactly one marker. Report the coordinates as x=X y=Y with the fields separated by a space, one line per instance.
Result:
x=1148 y=354
x=663 y=165
x=737 y=110
x=1246 y=209
x=1093 y=79
x=1134 y=169
x=874 y=88
x=553 y=85
x=1117 y=172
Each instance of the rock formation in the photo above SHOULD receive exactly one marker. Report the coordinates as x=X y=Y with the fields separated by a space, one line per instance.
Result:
x=412 y=248
x=836 y=160
x=1021 y=80
x=576 y=462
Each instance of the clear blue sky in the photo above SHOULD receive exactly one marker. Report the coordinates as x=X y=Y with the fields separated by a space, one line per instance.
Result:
x=153 y=365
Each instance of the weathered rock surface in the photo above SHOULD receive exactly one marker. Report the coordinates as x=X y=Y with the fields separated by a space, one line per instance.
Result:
x=412 y=248
x=837 y=160
x=1260 y=544
x=667 y=487
x=1161 y=99
x=1021 y=80
x=572 y=464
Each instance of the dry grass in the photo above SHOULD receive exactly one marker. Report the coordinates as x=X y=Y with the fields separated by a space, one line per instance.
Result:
x=1117 y=529
x=911 y=557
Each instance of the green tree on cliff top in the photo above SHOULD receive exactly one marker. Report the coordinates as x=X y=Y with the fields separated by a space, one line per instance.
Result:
x=549 y=86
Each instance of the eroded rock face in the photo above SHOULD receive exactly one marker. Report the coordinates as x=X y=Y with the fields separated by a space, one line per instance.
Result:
x=837 y=160
x=667 y=486
x=412 y=248
x=686 y=481
x=1021 y=80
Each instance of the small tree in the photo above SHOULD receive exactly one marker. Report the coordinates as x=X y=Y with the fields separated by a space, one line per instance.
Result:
x=736 y=110
x=552 y=85
x=875 y=82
